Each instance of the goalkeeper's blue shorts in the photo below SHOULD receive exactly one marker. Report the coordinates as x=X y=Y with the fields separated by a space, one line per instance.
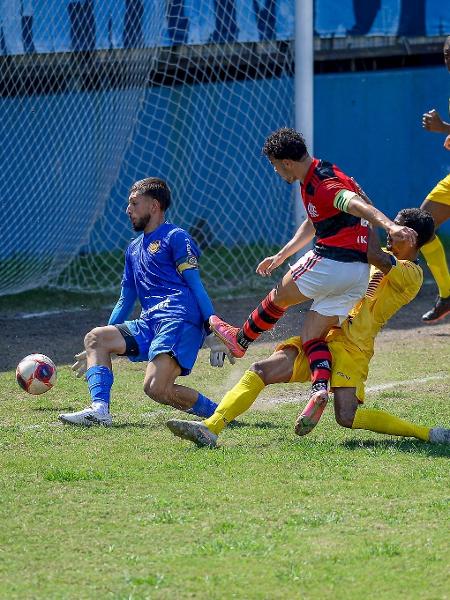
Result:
x=145 y=339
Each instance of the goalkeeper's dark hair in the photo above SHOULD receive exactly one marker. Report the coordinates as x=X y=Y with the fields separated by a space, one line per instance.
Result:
x=285 y=143
x=421 y=221
x=155 y=188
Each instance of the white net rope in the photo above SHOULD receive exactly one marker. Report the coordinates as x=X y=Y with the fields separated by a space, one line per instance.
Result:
x=96 y=95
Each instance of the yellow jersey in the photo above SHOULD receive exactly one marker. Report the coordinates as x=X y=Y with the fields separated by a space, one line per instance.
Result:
x=385 y=295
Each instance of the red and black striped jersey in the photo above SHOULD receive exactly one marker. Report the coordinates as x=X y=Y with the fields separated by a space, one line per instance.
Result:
x=339 y=235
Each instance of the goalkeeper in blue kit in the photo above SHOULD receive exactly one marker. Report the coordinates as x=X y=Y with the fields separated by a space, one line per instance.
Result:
x=161 y=271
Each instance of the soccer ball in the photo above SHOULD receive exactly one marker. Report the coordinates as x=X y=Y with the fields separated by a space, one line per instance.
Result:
x=36 y=373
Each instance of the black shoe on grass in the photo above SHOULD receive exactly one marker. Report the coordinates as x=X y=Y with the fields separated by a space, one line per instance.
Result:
x=439 y=311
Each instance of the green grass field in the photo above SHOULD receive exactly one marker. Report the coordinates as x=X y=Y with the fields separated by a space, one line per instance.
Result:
x=132 y=512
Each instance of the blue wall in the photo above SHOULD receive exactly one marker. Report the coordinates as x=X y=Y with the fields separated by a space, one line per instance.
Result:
x=370 y=124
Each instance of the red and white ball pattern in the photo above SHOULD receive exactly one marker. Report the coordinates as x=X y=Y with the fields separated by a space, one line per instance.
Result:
x=36 y=374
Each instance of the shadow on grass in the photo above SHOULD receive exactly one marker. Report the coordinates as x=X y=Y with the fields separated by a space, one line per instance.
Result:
x=60 y=409
x=260 y=425
x=403 y=445
x=136 y=425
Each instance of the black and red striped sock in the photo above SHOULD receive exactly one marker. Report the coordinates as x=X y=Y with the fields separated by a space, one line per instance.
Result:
x=319 y=358
x=263 y=318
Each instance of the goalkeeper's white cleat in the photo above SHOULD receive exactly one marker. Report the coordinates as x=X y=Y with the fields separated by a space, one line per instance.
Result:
x=87 y=417
x=439 y=435
x=194 y=431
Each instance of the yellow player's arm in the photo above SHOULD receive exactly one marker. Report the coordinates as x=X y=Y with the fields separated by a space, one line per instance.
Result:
x=376 y=256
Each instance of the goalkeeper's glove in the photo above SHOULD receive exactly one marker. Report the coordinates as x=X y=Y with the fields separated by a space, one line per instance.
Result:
x=217 y=351
x=80 y=367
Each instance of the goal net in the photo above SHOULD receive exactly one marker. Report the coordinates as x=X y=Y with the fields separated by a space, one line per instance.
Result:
x=97 y=94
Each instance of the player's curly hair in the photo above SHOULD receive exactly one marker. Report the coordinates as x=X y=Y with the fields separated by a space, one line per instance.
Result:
x=421 y=221
x=285 y=143
x=155 y=188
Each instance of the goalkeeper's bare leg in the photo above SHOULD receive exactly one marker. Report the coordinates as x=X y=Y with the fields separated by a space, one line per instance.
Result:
x=159 y=383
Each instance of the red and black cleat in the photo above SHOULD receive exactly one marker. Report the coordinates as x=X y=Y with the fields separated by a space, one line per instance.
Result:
x=311 y=414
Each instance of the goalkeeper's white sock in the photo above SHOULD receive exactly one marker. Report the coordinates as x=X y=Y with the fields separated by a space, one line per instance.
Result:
x=101 y=407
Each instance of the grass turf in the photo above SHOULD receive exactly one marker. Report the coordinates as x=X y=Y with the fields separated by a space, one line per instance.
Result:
x=133 y=512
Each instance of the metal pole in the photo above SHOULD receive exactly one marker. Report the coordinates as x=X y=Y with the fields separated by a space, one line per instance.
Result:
x=304 y=83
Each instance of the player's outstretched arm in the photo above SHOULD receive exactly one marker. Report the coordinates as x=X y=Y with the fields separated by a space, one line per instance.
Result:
x=376 y=255
x=124 y=305
x=217 y=349
x=303 y=236
x=351 y=203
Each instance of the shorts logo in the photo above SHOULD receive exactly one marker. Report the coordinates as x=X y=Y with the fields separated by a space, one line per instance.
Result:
x=341 y=374
x=312 y=210
x=153 y=247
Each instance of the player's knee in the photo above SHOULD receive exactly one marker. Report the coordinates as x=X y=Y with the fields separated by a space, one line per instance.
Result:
x=94 y=339
x=258 y=368
x=156 y=391
x=263 y=371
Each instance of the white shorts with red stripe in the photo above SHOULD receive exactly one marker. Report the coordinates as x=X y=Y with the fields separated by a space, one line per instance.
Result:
x=334 y=286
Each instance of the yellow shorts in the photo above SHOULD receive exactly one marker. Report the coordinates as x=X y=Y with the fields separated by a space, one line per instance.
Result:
x=441 y=192
x=349 y=366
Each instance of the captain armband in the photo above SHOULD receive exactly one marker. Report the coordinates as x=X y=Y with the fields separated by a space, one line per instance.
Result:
x=188 y=262
x=342 y=199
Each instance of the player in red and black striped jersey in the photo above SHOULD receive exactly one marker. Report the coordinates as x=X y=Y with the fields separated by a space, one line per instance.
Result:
x=334 y=275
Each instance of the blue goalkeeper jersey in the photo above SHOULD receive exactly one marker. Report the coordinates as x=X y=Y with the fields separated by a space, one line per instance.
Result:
x=154 y=263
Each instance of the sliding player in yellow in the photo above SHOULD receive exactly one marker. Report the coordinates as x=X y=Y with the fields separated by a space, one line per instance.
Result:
x=438 y=204
x=394 y=282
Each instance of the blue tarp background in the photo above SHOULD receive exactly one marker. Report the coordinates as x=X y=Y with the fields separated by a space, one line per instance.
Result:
x=64 y=25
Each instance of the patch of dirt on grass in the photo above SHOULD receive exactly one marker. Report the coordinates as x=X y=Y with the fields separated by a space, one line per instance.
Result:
x=61 y=335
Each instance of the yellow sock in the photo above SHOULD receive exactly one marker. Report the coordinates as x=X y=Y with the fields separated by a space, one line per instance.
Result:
x=383 y=422
x=236 y=401
x=435 y=256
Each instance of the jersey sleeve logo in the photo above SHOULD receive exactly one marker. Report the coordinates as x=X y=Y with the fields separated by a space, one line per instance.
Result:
x=153 y=247
x=312 y=210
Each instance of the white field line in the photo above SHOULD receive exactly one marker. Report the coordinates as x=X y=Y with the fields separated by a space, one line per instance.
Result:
x=47 y=313
x=370 y=389
x=144 y=416
x=387 y=386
